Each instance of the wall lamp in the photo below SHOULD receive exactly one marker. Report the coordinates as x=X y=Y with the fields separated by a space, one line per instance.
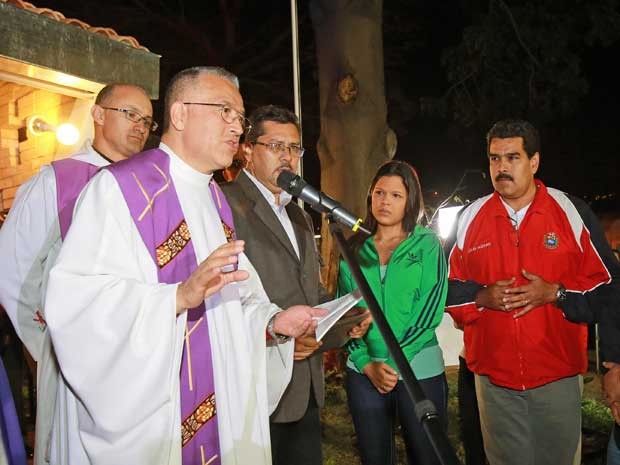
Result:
x=66 y=133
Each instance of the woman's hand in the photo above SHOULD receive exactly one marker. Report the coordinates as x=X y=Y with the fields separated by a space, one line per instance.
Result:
x=361 y=328
x=382 y=376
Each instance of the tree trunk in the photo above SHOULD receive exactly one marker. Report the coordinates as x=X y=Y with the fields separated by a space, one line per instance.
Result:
x=355 y=138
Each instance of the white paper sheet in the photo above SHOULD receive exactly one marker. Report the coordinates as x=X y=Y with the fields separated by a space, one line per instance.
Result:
x=337 y=308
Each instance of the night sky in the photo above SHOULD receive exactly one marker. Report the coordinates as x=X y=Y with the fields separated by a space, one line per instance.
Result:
x=579 y=151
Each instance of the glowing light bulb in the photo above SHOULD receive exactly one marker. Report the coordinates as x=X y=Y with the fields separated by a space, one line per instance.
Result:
x=67 y=134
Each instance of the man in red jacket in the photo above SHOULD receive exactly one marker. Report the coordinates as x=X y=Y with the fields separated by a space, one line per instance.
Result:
x=528 y=266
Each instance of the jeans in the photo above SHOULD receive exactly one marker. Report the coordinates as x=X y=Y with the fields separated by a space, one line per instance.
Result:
x=374 y=417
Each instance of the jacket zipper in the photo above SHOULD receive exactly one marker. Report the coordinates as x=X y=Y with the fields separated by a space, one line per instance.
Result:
x=517 y=321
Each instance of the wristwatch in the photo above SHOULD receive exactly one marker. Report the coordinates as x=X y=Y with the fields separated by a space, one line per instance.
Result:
x=278 y=338
x=560 y=295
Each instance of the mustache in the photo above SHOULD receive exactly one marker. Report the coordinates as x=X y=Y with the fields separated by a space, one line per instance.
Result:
x=504 y=176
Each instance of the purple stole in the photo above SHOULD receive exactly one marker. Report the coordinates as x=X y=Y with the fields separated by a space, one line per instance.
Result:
x=149 y=191
x=10 y=431
x=71 y=177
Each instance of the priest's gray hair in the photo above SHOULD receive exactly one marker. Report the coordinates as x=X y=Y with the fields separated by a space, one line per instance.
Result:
x=186 y=78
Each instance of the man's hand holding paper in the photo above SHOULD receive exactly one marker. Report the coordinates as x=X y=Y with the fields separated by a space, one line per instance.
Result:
x=337 y=308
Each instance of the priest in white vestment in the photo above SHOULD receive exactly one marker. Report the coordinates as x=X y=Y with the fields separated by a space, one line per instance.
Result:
x=120 y=333
x=30 y=239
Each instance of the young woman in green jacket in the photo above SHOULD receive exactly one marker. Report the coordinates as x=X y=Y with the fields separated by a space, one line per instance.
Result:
x=405 y=267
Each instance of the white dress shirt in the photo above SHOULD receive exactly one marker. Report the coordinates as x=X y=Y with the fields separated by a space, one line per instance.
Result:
x=278 y=208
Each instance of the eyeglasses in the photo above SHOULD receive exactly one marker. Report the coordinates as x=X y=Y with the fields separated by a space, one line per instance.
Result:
x=228 y=114
x=136 y=117
x=279 y=148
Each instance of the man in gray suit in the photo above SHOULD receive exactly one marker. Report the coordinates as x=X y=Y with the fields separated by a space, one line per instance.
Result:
x=279 y=240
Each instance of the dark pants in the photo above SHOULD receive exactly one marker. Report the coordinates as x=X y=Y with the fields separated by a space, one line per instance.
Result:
x=613 y=448
x=374 y=416
x=471 y=434
x=298 y=442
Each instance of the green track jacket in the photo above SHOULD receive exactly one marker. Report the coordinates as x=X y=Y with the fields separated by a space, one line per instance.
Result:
x=412 y=295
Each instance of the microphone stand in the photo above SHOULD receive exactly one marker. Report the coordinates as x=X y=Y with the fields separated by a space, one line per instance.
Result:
x=424 y=408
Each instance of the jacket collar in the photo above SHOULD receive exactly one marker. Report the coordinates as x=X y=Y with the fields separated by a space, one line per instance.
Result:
x=270 y=198
x=266 y=214
x=370 y=250
x=538 y=205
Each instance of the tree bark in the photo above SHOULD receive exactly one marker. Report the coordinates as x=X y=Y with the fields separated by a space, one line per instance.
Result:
x=355 y=138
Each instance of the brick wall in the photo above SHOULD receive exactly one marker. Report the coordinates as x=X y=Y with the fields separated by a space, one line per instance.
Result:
x=23 y=153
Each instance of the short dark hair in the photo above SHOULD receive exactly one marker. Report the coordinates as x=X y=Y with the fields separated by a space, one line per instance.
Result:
x=414 y=206
x=107 y=92
x=269 y=113
x=186 y=78
x=516 y=128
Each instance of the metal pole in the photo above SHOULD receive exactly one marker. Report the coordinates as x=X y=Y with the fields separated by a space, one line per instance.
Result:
x=296 y=78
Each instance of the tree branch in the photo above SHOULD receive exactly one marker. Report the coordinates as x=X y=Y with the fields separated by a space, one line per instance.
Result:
x=516 y=29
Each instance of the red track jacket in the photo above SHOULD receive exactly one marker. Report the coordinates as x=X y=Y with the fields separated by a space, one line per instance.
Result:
x=553 y=242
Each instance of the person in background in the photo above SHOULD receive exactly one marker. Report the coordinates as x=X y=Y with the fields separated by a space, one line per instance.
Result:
x=405 y=267
x=611 y=385
x=279 y=236
x=32 y=234
x=529 y=265
x=279 y=241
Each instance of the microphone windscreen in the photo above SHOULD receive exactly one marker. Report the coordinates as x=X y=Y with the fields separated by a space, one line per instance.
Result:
x=285 y=178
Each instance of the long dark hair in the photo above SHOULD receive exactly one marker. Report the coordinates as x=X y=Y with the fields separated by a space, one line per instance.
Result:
x=414 y=206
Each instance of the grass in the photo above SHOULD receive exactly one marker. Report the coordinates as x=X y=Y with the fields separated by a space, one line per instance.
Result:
x=338 y=432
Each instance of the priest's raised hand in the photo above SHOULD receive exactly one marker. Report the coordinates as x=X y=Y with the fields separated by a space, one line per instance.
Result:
x=211 y=276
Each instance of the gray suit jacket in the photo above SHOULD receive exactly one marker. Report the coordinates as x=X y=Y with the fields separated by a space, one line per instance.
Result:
x=287 y=279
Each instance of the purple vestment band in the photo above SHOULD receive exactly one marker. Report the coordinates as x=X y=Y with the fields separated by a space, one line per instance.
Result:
x=10 y=432
x=149 y=191
x=71 y=177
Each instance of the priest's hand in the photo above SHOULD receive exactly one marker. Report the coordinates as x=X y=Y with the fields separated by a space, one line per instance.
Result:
x=382 y=376
x=305 y=346
x=210 y=276
x=297 y=321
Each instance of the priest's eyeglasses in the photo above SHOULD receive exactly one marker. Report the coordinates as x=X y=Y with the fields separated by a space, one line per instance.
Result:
x=278 y=148
x=136 y=117
x=228 y=114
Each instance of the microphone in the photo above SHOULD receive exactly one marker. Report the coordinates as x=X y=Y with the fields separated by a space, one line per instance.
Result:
x=319 y=201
